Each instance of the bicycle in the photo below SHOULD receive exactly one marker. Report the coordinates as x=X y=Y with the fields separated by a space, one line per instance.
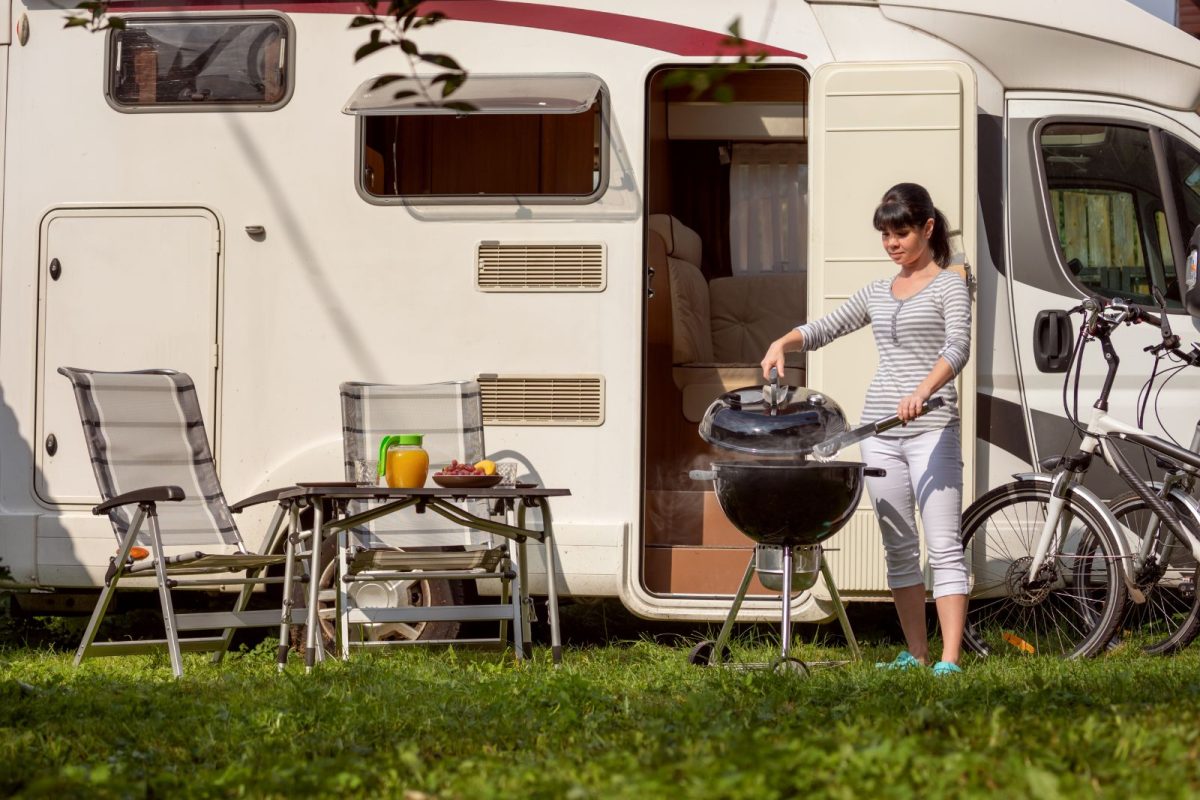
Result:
x=1053 y=566
x=1167 y=570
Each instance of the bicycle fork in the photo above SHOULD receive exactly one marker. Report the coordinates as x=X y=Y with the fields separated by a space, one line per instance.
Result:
x=1065 y=487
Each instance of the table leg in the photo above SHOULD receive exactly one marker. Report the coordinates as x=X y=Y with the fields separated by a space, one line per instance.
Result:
x=526 y=602
x=518 y=593
x=342 y=609
x=551 y=580
x=312 y=645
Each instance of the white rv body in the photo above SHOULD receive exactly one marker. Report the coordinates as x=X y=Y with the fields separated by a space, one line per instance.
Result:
x=240 y=246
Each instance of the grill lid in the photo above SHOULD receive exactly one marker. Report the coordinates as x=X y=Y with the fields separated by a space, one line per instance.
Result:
x=746 y=420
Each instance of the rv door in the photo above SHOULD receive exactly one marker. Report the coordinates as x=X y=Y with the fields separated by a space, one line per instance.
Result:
x=876 y=125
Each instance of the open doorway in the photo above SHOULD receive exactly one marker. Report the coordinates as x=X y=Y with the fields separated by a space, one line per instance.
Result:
x=726 y=246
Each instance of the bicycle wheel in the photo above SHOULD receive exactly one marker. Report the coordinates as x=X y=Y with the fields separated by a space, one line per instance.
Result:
x=1073 y=606
x=1170 y=618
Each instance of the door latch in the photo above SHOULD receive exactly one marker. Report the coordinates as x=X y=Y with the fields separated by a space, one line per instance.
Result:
x=1053 y=337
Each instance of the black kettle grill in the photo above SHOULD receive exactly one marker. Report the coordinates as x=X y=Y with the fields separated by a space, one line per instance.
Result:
x=785 y=502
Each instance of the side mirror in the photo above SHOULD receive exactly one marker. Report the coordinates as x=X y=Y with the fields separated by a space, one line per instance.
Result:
x=1191 y=294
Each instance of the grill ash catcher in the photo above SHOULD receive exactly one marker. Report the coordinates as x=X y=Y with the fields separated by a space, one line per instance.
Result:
x=787 y=504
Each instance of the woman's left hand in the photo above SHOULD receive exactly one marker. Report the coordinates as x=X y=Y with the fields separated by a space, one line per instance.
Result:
x=910 y=407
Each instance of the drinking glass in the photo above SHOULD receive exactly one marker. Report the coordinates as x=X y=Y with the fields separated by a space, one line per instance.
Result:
x=507 y=470
x=366 y=472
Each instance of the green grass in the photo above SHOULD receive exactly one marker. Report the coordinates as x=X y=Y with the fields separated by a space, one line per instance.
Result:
x=631 y=720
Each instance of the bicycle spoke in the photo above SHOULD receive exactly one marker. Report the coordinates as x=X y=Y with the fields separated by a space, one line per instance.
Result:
x=1069 y=608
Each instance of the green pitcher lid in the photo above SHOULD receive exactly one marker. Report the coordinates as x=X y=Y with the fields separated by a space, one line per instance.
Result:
x=410 y=438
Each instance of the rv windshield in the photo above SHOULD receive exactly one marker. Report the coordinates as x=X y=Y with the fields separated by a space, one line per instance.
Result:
x=1185 y=166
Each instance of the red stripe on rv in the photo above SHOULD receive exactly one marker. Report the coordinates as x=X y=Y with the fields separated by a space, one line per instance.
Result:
x=665 y=36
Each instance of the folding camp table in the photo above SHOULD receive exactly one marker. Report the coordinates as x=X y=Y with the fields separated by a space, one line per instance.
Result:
x=501 y=499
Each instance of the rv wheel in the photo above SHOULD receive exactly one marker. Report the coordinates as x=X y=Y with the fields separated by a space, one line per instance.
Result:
x=379 y=594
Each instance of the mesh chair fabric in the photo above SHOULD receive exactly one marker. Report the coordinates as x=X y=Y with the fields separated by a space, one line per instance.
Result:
x=450 y=415
x=146 y=429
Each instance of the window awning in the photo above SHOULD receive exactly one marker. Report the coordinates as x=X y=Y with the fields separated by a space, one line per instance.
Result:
x=490 y=94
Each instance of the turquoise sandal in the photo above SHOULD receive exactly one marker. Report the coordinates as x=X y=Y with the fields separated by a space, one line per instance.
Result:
x=944 y=668
x=905 y=660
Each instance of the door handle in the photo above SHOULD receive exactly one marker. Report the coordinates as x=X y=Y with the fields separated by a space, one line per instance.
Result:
x=1053 y=336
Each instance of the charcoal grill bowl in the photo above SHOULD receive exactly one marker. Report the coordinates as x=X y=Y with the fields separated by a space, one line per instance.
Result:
x=788 y=503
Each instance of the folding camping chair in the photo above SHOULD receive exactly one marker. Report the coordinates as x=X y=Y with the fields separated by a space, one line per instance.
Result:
x=155 y=471
x=382 y=591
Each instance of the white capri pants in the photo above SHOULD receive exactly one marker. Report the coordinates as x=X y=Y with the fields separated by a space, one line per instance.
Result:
x=926 y=468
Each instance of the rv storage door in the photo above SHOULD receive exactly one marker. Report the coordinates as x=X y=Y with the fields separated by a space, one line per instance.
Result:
x=120 y=288
x=875 y=125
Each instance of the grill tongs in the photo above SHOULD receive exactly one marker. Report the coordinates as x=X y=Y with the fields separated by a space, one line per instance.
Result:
x=831 y=446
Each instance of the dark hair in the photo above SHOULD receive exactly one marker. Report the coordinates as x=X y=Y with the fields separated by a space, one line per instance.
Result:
x=907 y=206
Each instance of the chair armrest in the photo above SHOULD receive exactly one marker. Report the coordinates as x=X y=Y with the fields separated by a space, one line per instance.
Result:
x=154 y=494
x=269 y=496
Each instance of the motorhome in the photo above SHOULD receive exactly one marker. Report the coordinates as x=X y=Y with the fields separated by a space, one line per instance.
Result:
x=217 y=188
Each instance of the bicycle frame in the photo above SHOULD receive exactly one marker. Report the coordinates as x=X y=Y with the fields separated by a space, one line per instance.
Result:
x=1067 y=482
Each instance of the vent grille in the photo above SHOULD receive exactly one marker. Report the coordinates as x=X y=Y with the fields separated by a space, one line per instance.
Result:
x=542 y=400
x=533 y=267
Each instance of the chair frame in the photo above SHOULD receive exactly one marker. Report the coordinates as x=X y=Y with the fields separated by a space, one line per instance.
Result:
x=359 y=563
x=283 y=530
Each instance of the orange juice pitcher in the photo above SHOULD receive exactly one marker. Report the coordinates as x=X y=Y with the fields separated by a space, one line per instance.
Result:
x=402 y=460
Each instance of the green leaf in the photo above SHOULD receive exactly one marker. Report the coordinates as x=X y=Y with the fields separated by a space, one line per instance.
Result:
x=458 y=105
x=369 y=48
x=76 y=22
x=723 y=93
x=384 y=80
x=409 y=47
x=441 y=60
x=116 y=23
x=362 y=22
x=452 y=83
x=403 y=94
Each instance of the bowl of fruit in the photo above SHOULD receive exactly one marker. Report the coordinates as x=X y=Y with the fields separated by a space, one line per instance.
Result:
x=480 y=475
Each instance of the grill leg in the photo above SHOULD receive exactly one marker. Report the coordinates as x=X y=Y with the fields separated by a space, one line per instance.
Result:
x=840 y=609
x=785 y=632
x=727 y=628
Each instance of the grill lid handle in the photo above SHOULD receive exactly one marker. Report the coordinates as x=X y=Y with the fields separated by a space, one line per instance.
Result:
x=703 y=475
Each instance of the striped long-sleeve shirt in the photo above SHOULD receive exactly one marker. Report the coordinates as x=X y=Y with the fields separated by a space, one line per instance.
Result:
x=910 y=334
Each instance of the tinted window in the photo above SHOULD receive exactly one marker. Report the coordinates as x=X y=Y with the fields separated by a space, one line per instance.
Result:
x=1104 y=200
x=199 y=62
x=413 y=155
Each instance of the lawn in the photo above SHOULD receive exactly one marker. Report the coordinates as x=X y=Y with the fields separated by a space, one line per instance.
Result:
x=627 y=719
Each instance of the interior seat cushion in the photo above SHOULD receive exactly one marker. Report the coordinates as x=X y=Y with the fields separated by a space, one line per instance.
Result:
x=682 y=242
x=692 y=338
x=749 y=312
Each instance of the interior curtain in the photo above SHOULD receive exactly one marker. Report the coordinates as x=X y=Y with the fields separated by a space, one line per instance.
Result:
x=768 y=203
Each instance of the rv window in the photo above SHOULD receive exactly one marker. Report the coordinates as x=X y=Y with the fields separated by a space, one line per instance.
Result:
x=530 y=139
x=1185 y=168
x=199 y=63
x=1103 y=192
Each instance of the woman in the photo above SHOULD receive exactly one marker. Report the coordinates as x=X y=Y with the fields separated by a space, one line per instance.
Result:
x=921 y=319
